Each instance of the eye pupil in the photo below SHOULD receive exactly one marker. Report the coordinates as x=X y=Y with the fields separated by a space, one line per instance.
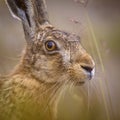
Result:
x=50 y=45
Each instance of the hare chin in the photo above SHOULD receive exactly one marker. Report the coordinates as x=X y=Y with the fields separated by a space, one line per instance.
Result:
x=87 y=79
x=79 y=83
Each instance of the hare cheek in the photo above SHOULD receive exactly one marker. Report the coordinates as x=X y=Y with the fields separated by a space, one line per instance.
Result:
x=66 y=57
x=77 y=74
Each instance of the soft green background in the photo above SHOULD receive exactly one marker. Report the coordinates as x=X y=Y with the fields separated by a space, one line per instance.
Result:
x=98 y=24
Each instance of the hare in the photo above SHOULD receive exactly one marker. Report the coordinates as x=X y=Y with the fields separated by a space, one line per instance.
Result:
x=51 y=59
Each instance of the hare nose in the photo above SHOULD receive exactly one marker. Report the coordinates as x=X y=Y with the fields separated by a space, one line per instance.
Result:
x=87 y=68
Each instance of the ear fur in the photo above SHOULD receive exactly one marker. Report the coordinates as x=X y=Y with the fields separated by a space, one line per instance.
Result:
x=32 y=13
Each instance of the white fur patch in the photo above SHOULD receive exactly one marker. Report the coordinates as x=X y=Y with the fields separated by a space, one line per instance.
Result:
x=93 y=72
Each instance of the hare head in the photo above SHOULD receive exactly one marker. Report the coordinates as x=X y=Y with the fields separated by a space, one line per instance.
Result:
x=51 y=55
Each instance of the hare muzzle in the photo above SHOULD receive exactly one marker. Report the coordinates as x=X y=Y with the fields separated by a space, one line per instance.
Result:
x=82 y=66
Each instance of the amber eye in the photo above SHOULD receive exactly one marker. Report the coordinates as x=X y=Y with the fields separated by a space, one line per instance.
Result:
x=50 y=45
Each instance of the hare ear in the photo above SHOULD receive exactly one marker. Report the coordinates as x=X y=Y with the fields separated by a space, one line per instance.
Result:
x=23 y=10
x=41 y=12
x=32 y=13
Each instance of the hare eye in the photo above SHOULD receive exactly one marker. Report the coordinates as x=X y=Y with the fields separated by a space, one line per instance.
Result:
x=50 y=45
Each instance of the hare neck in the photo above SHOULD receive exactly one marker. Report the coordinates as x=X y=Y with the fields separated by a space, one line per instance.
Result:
x=42 y=94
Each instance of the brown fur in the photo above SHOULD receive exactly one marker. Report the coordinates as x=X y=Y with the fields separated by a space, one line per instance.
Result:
x=32 y=90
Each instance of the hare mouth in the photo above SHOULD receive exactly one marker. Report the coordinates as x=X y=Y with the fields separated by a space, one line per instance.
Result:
x=79 y=83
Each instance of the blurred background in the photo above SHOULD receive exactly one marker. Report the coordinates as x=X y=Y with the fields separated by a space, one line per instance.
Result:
x=98 y=24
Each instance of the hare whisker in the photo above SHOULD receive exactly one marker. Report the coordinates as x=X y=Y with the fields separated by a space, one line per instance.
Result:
x=51 y=88
x=49 y=101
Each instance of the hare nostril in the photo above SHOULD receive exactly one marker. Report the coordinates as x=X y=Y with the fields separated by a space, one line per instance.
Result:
x=87 y=68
